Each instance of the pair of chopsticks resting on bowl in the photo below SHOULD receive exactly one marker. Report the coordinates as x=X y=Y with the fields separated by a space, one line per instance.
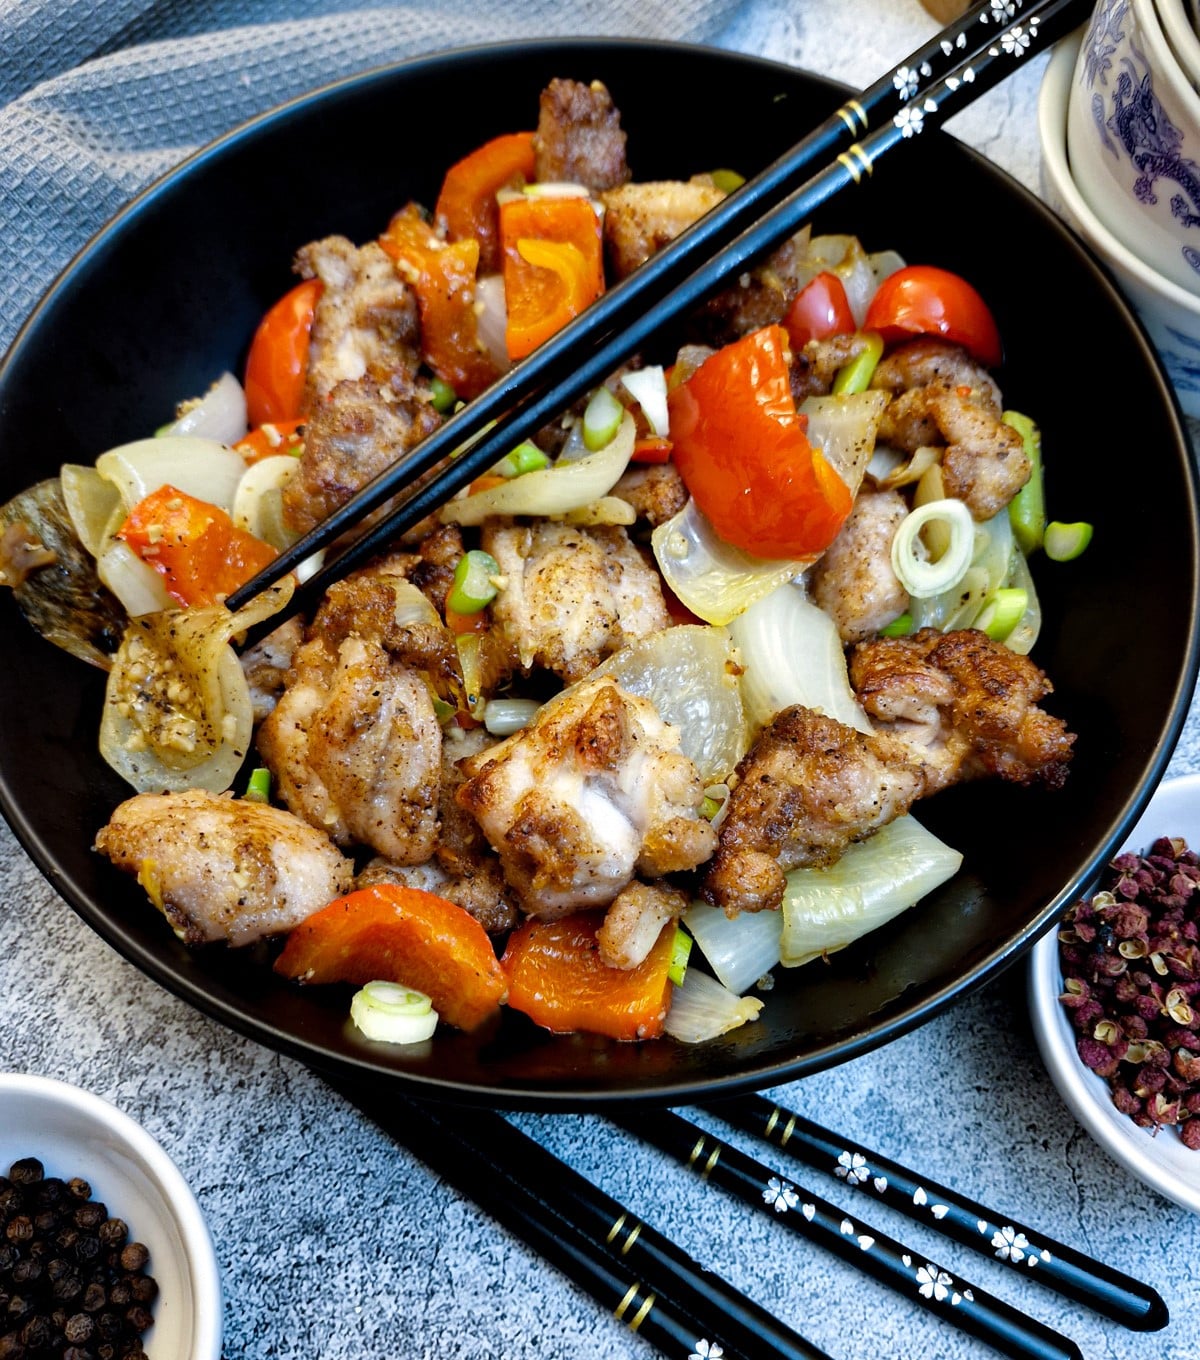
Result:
x=966 y=59
x=685 y=1310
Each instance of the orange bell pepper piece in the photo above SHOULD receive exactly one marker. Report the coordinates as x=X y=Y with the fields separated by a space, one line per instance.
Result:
x=466 y=207
x=200 y=553
x=654 y=448
x=272 y=439
x=390 y=933
x=442 y=275
x=557 y=978
x=742 y=450
x=553 y=266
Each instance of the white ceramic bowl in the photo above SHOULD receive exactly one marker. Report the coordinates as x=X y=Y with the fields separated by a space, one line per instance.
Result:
x=1170 y=313
x=1133 y=139
x=74 y=1133
x=1176 y=22
x=1159 y=1160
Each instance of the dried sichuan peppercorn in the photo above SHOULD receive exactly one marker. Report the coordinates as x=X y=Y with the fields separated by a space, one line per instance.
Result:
x=72 y=1285
x=1131 y=985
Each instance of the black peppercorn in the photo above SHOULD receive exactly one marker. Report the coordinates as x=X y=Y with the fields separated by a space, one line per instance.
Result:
x=72 y=1287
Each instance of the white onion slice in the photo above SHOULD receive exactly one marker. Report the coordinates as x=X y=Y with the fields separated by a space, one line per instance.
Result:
x=503 y=717
x=257 y=501
x=648 y=387
x=702 y=1009
x=202 y=468
x=90 y=503
x=826 y=909
x=491 y=313
x=739 y=949
x=134 y=582
x=990 y=568
x=553 y=490
x=686 y=672
x=792 y=654
x=1025 y=634
x=177 y=709
x=220 y=413
x=843 y=428
x=715 y=580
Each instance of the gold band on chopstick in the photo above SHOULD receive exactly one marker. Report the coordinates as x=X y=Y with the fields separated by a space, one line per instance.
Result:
x=698 y=1151
x=788 y=1129
x=857 y=162
x=631 y=1234
x=640 y=1316
x=853 y=115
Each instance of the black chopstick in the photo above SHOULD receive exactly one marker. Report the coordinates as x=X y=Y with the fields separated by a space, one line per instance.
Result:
x=648 y=1284
x=1059 y=1267
x=619 y=322
x=908 y=1272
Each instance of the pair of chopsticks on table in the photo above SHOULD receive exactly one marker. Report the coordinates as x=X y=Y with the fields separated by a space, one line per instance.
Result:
x=687 y=1311
x=964 y=60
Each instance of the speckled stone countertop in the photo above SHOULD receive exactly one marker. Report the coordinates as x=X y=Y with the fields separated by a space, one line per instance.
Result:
x=335 y=1243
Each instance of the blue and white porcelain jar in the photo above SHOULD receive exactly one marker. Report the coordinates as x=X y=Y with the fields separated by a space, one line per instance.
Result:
x=1133 y=139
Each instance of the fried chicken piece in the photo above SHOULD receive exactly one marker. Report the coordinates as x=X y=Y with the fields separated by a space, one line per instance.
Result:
x=815 y=366
x=365 y=323
x=808 y=787
x=951 y=402
x=579 y=138
x=655 y=490
x=366 y=407
x=355 y=749
x=635 y=920
x=639 y=219
x=967 y=704
x=571 y=595
x=224 y=868
x=592 y=793
x=438 y=553
x=854 y=582
x=266 y=665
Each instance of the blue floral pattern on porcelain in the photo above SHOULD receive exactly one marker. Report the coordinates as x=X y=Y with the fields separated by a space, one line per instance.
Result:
x=1138 y=123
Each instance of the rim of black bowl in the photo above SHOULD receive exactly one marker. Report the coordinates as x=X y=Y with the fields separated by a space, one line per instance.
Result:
x=755 y=1075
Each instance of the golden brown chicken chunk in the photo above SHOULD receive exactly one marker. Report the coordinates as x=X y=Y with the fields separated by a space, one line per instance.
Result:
x=224 y=868
x=967 y=704
x=571 y=596
x=639 y=219
x=355 y=749
x=854 y=582
x=808 y=787
x=592 y=793
x=579 y=138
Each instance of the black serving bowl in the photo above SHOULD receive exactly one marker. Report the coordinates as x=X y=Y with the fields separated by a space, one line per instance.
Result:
x=168 y=296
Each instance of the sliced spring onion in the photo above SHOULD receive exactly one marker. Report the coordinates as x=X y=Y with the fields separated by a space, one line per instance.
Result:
x=648 y=387
x=726 y=180
x=1066 y=541
x=392 y=1014
x=526 y=457
x=791 y=654
x=503 y=717
x=900 y=626
x=444 y=396
x=702 y=1009
x=474 y=585
x=920 y=576
x=739 y=949
x=258 y=786
x=1027 y=509
x=601 y=419
x=991 y=568
x=1025 y=634
x=710 y=807
x=553 y=490
x=826 y=909
x=680 y=953
x=219 y=414
x=1002 y=610
x=857 y=374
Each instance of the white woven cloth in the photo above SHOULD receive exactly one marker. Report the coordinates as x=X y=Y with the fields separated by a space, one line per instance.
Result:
x=98 y=100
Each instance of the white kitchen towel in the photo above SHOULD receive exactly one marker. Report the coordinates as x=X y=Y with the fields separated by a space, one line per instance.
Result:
x=99 y=99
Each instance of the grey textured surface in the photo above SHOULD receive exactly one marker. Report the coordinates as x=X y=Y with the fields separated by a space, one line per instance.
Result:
x=333 y=1242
